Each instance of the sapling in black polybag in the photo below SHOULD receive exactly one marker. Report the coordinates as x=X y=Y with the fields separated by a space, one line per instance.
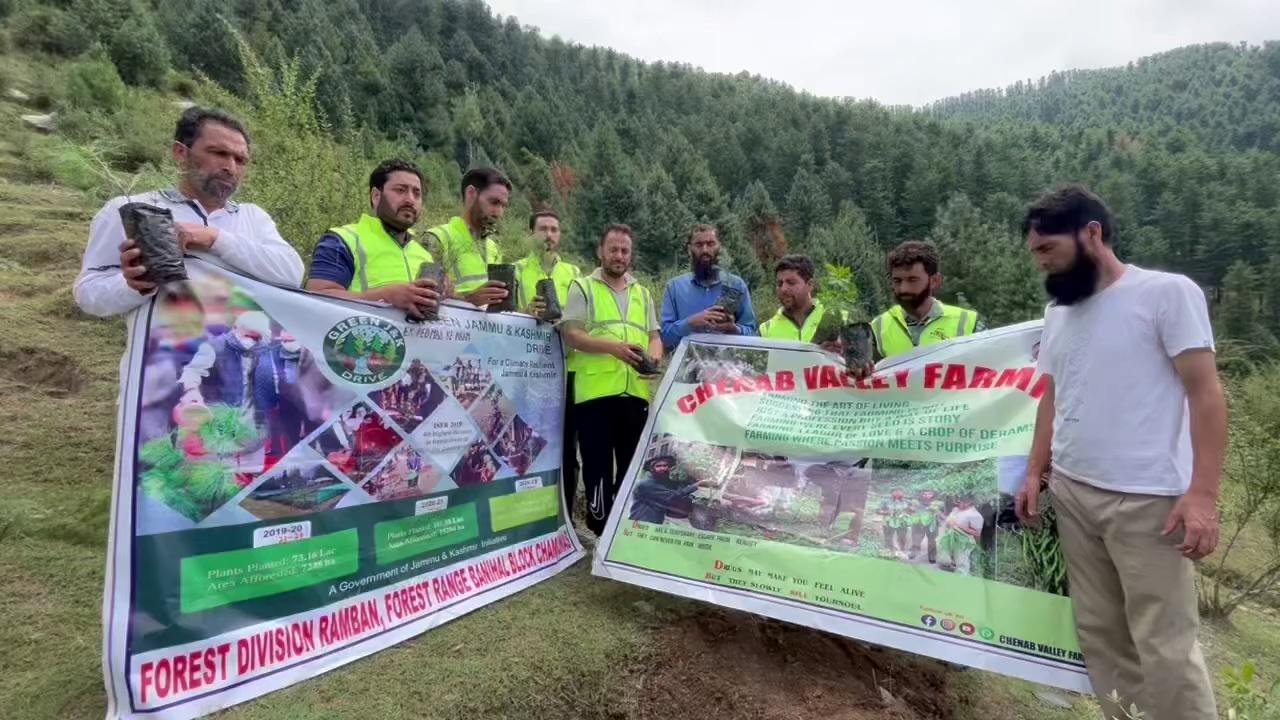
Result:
x=546 y=289
x=857 y=345
x=506 y=274
x=435 y=272
x=828 y=329
x=647 y=364
x=730 y=301
x=152 y=231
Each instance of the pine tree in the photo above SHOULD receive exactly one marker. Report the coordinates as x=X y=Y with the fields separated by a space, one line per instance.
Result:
x=761 y=225
x=848 y=242
x=808 y=204
x=662 y=224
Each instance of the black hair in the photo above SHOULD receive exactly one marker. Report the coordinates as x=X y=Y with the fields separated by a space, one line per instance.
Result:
x=915 y=251
x=701 y=228
x=618 y=228
x=193 y=119
x=378 y=178
x=799 y=264
x=1068 y=209
x=482 y=178
x=533 y=219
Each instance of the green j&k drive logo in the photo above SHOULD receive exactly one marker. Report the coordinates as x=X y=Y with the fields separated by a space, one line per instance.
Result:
x=364 y=350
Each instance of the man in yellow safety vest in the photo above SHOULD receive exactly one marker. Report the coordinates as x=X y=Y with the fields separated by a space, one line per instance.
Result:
x=543 y=262
x=800 y=313
x=377 y=257
x=609 y=322
x=464 y=245
x=919 y=318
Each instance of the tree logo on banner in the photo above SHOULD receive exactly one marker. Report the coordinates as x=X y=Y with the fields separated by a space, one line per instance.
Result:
x=364 y=350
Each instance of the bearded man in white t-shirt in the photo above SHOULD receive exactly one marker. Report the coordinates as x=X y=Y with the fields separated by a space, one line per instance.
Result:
x=1131 y=434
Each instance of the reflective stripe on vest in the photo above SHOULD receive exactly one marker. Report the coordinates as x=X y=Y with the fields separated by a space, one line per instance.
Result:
x=893 y=338
x=466 y=265
x=782 y=327
x=599 y=374
x=379 y=259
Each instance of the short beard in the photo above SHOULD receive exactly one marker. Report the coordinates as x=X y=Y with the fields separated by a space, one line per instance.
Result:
x=915 y=302
x=213 y=185
x=391 y=217
x=1076 y=283
x=481 y=224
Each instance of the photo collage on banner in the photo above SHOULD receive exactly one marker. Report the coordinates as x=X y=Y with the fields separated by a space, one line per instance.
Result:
x=304 y=481
x=881 y=508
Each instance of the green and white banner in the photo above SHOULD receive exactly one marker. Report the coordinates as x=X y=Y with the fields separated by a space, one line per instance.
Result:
x=302 y=481
x=771 y=481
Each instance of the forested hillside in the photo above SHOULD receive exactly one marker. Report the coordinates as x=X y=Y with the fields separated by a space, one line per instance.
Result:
x=1182 y=145
x=1226 y=95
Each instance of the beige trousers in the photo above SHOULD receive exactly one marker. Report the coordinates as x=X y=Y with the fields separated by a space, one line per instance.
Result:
x=1135 y=602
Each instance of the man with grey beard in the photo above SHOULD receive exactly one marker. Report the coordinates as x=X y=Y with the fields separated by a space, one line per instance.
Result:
x=1130 y=435
x=211 y=150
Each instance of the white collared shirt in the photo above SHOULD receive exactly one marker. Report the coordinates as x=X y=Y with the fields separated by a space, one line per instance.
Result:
x=247 y=241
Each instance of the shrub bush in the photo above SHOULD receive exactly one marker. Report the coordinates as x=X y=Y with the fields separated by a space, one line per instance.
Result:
x=93 y=85
x=181 y=84
x=140 y=52
x=51 y=30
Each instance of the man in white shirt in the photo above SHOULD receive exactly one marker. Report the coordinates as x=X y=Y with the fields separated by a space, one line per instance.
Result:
x=1131 y=432
x=211 y=150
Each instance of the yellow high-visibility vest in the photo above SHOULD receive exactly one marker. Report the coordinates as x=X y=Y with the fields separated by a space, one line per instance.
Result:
x=599 y=374
x=379 y=259
x=466 y=262
x=782 y=327
x=529 y=271
x=892 y=337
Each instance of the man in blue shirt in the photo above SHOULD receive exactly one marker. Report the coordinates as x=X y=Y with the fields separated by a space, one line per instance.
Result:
x=688 y=303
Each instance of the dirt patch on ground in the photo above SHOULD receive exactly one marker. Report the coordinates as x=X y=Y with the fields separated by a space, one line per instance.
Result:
x=53 y=372
x=729 y=665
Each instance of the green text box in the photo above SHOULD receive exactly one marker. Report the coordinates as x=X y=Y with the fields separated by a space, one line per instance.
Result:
x=508 y=511
x=398 y=539
x=209 y=581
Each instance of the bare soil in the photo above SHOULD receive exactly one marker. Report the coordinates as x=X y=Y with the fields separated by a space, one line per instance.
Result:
x=725 y=664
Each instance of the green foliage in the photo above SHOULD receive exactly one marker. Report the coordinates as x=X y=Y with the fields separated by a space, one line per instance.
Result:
x=1043 y=556
x=293 y=151
x=1250 y=496
x=848 y=242
x=93 y=85
x=1222 y=94
x=984 y=264
x=191 y=487
x=1188 y=159
x=838 y=290
x=76 y=166
x=49 y=29
x=808 y=204
x=975 y=480
x=139 y=50
x=228 y=429
x=1248 y=696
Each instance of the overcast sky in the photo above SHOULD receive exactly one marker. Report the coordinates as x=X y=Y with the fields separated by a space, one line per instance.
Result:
x=897 y=51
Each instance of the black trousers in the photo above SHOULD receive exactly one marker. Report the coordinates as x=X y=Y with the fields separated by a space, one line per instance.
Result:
x=569 y=464
x=609 y=430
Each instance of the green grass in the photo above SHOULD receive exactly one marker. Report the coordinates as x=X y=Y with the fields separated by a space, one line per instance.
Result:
x=573 y=647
